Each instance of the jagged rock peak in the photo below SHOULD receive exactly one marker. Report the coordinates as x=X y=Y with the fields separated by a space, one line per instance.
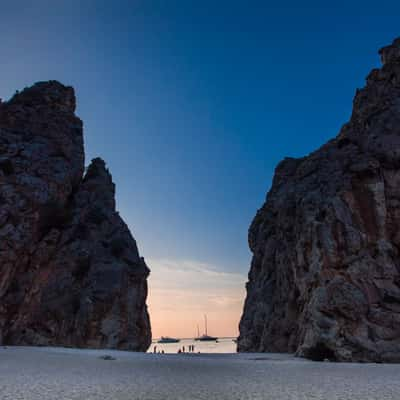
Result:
x=324 y=280
x=99 y=180
x=71 y=273
x=97 y=170
x=49 y=93
x=391 y=53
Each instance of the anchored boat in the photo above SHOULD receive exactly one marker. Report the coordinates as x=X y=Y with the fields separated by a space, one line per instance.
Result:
x=166 y=339
x=205 y=337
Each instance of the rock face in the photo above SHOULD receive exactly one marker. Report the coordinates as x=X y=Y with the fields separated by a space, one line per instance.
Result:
x=70 y=271
x=325 y=276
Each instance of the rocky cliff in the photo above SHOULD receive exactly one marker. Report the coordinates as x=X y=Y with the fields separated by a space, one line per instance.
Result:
x=70 y=271
x=325 y=276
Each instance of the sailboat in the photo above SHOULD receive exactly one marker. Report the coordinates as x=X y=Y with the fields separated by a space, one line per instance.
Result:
x=205 y=337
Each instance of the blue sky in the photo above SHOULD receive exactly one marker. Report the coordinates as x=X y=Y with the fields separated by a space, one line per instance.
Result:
x=193 y=103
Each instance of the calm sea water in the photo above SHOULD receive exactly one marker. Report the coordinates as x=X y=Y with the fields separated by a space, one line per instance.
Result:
x=225 y=345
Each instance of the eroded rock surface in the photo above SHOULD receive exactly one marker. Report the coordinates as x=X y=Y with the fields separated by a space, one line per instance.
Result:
x=325 y=276
x=70 y=271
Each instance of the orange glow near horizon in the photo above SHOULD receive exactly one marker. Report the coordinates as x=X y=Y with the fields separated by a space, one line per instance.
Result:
x=180 y=293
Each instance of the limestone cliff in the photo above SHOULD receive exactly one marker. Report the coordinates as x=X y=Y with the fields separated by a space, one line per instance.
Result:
x=325 y=276
x=70 y=271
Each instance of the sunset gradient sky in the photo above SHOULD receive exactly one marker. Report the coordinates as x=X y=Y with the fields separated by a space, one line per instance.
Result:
x=192 y=104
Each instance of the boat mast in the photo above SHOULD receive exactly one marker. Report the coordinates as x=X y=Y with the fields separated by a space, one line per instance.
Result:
x=205 y=322
x=198 y=331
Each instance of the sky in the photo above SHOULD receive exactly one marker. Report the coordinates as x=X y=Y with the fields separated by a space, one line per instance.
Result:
x=192 y=104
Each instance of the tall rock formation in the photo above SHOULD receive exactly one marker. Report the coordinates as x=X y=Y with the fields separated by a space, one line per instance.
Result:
x=70 y=271
x=325 y=276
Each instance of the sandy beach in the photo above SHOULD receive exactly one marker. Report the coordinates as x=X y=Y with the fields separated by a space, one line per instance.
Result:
x=57 y=373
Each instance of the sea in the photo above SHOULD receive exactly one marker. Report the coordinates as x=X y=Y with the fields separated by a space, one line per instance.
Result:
x=224 y=345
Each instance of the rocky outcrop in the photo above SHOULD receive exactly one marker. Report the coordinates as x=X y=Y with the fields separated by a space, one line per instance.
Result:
x=325 y=276
x=70 y=271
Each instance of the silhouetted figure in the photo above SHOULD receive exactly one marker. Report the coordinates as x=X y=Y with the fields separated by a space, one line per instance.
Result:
x=155 y=350
x=183 y=348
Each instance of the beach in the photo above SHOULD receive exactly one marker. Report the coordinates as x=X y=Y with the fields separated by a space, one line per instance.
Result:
x=40 y=373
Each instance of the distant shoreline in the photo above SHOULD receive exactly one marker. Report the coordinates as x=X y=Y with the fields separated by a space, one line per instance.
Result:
x=192 y=338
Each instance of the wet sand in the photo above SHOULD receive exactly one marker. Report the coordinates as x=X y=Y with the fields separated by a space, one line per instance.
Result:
x=56 y=373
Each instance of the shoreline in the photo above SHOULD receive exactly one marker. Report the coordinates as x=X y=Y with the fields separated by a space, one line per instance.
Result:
x=46 y=373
